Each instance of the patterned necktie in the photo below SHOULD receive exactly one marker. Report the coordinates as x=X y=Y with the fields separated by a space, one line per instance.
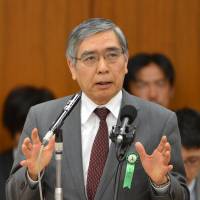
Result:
x=99 y=154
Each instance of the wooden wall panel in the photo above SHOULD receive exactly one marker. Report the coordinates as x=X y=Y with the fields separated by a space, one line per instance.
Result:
x=33 y=41
x=33 y=37
x=167 y=26
x=186 y=54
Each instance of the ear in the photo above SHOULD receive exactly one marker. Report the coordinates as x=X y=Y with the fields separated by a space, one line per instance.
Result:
x=72 y=68
x=126 y=63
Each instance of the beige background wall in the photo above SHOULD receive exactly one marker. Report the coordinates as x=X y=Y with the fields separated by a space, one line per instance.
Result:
x=33 y=39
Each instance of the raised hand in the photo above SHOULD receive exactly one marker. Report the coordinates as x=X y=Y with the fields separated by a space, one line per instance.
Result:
x=157 y=164
x=31 y=148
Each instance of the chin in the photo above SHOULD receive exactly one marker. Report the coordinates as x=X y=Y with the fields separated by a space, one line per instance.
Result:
x=103 y=99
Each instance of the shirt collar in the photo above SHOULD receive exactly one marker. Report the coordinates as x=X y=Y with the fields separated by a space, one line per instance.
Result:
x=88 y=106
x=192 y=185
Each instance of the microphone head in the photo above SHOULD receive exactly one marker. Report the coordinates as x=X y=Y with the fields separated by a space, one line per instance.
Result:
x=128 y=111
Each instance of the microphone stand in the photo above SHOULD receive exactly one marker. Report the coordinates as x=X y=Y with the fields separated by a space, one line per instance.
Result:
x=122 y=143
x=58 y=158
x=56 y=129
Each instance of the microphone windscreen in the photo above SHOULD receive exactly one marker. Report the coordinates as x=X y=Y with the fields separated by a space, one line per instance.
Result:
x=128 y=111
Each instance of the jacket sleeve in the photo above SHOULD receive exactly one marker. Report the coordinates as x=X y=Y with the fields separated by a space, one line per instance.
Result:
x=17 y=186
x=178 y=189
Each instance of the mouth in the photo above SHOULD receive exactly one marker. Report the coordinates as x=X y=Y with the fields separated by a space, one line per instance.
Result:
x=104 y=84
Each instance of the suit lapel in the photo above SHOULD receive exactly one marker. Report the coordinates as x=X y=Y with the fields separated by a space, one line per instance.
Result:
x=73 y=150
x=112 y=162
x=197 y=188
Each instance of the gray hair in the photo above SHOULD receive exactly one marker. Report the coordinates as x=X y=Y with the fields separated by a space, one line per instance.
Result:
x=90 y=27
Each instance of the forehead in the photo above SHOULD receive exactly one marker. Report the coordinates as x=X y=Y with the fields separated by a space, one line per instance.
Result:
x=99 y=42
x=150 y=72
x=190 y=152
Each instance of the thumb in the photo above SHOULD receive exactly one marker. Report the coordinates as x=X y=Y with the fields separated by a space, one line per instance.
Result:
x=140 y=149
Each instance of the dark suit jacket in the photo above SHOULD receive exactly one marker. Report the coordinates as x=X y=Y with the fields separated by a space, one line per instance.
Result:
x=6 y=162
x=197 y=188
x=152 y=122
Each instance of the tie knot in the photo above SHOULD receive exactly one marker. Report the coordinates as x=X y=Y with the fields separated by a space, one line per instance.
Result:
x=102 y=113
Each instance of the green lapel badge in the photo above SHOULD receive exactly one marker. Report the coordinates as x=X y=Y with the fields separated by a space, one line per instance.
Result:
x=130 y=167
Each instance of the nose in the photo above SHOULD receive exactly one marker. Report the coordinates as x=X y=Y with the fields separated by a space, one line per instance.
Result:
x=153 y=94
x=102 y=65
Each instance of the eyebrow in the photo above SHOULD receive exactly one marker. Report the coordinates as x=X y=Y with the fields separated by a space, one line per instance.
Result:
x=112 y=48
x=155 y=81
x=85 y=53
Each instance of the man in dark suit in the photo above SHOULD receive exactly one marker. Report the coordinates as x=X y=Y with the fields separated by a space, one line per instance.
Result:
x=6 y=161
x=189 y=126
x=151 y=76
x=97 y=56
x=15 y=110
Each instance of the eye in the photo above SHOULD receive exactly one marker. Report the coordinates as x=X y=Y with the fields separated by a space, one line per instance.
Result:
x=193 y=160
x=112 y=54
x=89 y=58
x=141 y=84
x=161 y=83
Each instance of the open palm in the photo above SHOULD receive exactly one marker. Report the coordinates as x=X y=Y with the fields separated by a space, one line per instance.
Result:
x=157 y=164
x=31 y=148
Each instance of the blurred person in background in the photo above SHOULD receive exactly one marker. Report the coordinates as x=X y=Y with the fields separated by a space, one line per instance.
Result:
x=151 y=77
x=15 y=110
x=189 y=126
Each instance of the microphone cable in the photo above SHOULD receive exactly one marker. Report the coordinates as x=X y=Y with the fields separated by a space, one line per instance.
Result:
x=39 y=177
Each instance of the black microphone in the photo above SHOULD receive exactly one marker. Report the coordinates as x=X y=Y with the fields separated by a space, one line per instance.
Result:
x=59 y=121
x=127 y=116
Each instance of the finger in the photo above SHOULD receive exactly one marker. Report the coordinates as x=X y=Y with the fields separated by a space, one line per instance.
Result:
x=30 y=146
x=35 y=137
x=25 y=146
x=35 y=151
x=141 y=150
x=27 y=142
x=170 y=167
x=162 y=143
x=51 y=145
x=167 y=157
x=167 y=147
x=26 y=152
x=23 y=163
x=166 y=170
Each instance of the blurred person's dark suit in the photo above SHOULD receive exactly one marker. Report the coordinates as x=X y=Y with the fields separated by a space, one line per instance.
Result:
x=189 y=126
x=6 y=162
x=15 y=110
x=197 y=188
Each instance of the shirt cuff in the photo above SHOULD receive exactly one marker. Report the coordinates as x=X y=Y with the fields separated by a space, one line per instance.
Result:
x=161 y=189
x=31 y=182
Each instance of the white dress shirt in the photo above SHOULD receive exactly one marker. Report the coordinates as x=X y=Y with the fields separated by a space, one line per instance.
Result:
x=191 y=187
x=90 y=124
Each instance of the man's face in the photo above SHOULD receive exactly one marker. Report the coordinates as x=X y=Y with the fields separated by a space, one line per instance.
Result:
x=191 y=159
x=152 y=85
x=103 y=79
